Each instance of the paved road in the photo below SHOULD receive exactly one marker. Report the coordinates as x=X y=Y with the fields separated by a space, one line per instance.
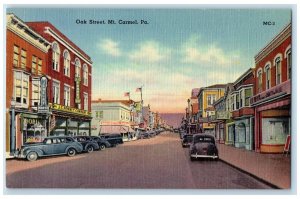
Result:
x=159 y=162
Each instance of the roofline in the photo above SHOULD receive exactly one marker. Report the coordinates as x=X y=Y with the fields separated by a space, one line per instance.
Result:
x=250 y=70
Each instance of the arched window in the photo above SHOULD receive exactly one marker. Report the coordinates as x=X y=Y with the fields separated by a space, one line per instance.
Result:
x=278 y=70
x=268 y=74
x=55 y=56
x=288 y=56
x=77 y=67
x=259 y=79
x=66 y=63
x=85 y=74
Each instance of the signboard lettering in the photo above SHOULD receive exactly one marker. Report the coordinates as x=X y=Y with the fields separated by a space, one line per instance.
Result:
x=43 y=107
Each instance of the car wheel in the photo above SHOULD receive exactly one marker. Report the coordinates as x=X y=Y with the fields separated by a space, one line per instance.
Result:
x=192 y=159
x=32 y=156
x=102 y=147
x=71 y=152
x=90 y=149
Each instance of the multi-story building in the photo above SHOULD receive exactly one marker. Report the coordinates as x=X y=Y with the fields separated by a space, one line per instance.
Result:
x=69 y=73
x=272 y=93
x=207 y=96
x=112 y=116
x=242 y=112
x=26 y=64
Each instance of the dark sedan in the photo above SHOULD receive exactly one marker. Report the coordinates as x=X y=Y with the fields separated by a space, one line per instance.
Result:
x=187 y=140
x=103 y=143
x=89 y=145
x=203 y=146
x=49 y=147
x=113 y=139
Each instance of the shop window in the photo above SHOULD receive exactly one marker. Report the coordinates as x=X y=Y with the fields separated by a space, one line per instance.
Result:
x=16 y=56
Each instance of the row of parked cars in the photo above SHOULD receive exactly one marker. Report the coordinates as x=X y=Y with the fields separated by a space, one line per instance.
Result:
x=200 y=145
x=61 y=145
x=149 y=134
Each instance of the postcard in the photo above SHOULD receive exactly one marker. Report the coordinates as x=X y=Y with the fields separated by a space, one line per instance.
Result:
x=148 y=98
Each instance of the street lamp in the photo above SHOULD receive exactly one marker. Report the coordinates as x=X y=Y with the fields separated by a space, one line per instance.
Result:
x=12 y=125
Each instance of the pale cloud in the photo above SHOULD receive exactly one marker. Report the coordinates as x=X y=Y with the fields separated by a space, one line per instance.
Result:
x=196 y=52
x=110 y=47
x=149 y=52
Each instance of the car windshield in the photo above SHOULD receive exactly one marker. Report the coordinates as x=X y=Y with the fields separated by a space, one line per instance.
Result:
x=203 y=139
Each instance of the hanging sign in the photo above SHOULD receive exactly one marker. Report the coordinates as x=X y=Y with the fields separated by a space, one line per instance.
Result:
x=77 y=85
x=43 y=106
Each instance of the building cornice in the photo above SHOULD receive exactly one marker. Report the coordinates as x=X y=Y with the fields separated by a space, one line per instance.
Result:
x=18 y=27
x=275 y=42
x=57 y=37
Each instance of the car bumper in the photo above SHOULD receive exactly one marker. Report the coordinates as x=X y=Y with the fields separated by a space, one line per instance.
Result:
x=204 y=156
x=185 y=144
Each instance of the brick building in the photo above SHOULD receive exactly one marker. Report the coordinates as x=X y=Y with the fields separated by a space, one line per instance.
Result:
x=69 y=73
x=272 y=93
x=26 y=63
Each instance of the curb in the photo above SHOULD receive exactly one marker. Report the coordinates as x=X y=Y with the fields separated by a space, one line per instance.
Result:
x=252 y=175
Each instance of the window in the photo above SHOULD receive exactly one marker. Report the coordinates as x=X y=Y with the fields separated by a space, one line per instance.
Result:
x=85 y=75
x=232 y=102
x=278 y=70
x=55 y=92
x=16 y=56
x=99 y=114
x=268 y=77
x=33 y=65
x=77 y=67
x=85 y=101
x=67 y=95
x=66 y=63
x=211 y=99
x=21 y=82
x=248 y=94
x=35 y=92
x=40 y=64
x=289 y=64
x=237 y=99
x=23 y=58
x=55 y=56
x=259 y=77
x=242 y=97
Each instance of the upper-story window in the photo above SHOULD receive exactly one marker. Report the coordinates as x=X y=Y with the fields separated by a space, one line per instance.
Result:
x=77 y=67
x=268 y=76
x=21 y=88
x=67 y=95
x=66 y=63
x=16 y=56
x=55 y=56
x=278 y=70
x=211 y=99
x=34 y=64
x=248 y=95
x=55 y=92
x=232 y=100
x=23 y=58
x=237 y=101
x=35 y=92
x=85 y=74
x=259 y=79
x=40 y=64
x=289 y=63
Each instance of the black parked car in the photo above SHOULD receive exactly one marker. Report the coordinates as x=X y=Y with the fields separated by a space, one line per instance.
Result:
x=89 y=145
x=182 y=133
x=203 y=146
x=103 y=143
x=187 y=140
x=50 y=146
x=144 y=135
x=113 y=139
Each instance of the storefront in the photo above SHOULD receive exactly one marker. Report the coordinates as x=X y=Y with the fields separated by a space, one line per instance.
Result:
x=244 y=133
x=230 y=133
x=69 y=121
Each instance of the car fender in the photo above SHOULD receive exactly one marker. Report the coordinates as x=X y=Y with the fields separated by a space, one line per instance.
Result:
x=75 y=147
x=37 y=150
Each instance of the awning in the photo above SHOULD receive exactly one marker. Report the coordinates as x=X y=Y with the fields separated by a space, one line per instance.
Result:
x=115 y=129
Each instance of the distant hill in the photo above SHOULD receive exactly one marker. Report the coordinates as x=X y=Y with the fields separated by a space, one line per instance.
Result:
x=172 y=119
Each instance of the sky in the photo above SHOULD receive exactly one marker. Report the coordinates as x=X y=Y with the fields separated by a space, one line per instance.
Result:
x=178 y=50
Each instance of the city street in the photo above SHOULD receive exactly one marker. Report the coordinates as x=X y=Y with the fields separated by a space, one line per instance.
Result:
x=159 y=162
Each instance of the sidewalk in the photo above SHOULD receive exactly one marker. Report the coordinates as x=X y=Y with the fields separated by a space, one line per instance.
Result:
x=273 y=168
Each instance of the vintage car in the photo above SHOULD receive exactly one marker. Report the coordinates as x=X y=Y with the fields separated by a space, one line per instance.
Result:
x=203 y=146
x=103 y=143
x=187 y=140
x=114 y=139
x=49 y=147
x=89 y=145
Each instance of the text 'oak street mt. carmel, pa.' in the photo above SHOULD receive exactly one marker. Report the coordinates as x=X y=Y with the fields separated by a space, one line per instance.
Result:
x=111 y=21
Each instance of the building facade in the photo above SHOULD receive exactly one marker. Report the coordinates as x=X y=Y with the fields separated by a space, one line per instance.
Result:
x=272 y=93
x=69 y=74
x=26 y=64
x=207 y=96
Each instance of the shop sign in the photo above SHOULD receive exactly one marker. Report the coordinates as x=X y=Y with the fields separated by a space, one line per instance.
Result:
x=77 y=86
x=69 y=109
x=43 y=107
